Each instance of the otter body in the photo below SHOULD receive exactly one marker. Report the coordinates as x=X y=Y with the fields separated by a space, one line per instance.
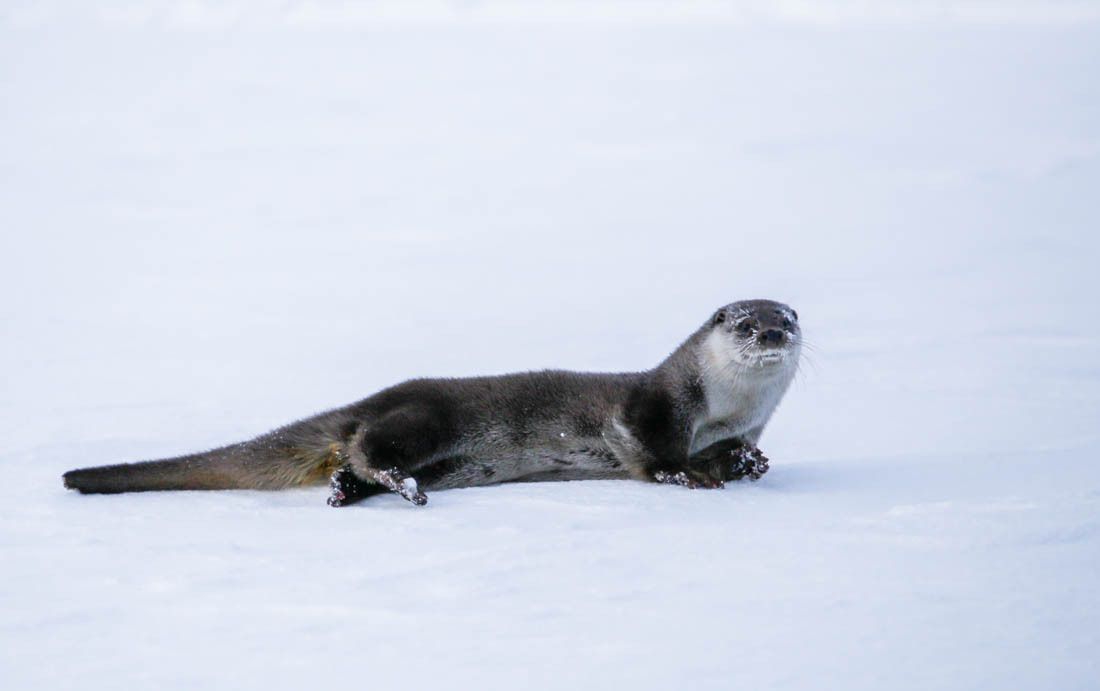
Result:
x=694 y=420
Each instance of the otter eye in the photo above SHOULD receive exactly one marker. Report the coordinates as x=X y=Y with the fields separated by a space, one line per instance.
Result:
x=744 y=326
x=794 y=314
x=787 y=324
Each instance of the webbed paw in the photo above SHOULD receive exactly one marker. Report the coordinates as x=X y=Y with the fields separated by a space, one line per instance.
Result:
x=401 y=483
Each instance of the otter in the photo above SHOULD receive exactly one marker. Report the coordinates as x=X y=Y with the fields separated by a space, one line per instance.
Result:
x=693 y=421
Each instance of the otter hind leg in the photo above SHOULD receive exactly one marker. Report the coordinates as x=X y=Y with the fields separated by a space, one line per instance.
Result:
x=388 y=453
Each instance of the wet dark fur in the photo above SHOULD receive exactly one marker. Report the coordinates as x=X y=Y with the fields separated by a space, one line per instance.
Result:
x=549 y=425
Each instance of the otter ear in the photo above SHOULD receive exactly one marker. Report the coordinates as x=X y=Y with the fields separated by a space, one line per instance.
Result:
x=719 y=317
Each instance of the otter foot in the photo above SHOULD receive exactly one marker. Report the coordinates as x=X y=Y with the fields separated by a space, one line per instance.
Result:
x=345 y=488
x=399 y=482
x=688 y=478
x=748 y=461
x=731 y=459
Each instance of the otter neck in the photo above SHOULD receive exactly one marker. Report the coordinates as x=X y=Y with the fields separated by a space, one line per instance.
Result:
x=739 y=394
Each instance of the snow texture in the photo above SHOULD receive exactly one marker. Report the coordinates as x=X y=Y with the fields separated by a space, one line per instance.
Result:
x=219 y=217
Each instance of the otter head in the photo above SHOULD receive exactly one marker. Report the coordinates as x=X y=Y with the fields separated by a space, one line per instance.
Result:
x=757 y=334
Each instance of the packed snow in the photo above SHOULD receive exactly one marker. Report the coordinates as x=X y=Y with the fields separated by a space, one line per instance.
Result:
x=220 y=217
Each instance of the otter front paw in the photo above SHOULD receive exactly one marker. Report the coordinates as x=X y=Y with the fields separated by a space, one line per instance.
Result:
x=747 y=461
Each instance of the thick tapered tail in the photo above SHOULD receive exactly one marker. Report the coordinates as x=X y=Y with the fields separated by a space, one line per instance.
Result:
x=187 y=472
x=268 y=462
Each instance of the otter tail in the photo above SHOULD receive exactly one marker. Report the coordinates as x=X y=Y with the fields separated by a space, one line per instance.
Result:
x=186 y=472
x=259 y=464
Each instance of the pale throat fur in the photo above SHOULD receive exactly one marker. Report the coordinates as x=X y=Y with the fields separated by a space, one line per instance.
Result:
x=743 y=387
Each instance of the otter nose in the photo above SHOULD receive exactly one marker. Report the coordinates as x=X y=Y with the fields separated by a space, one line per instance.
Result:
x=771 y=337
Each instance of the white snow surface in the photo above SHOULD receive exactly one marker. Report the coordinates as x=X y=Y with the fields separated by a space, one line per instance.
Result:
x=213 y=224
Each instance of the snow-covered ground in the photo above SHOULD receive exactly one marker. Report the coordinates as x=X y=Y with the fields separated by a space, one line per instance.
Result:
x=217 y=218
